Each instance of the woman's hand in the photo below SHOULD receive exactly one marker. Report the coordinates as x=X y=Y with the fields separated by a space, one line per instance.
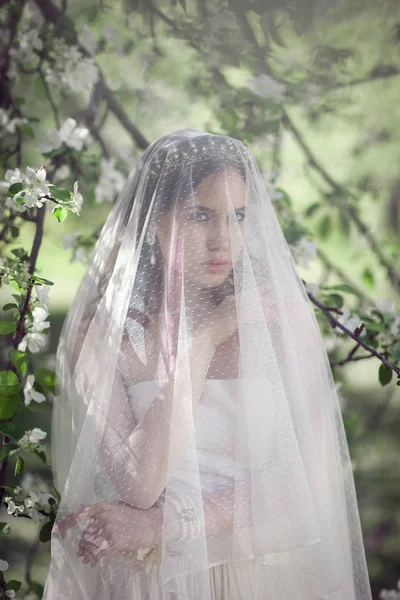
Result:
x=115 y=527
x=220 y=324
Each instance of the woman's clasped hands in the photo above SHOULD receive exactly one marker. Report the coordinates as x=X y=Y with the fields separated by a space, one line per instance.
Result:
x=114 y=527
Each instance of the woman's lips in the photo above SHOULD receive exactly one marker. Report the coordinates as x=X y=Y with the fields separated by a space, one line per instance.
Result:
x=217 y=265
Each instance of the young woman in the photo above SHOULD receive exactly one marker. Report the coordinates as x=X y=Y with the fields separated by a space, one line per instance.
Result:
x=198 y=439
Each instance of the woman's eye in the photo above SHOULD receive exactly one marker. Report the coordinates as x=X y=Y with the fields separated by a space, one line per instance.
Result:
x=241 y=214
x=194 y=216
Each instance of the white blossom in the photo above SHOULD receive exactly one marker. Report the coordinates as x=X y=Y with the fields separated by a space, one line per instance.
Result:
x=11 y=177
x=86 y=38
x=267 y=87
x=42 y=292
x=313 y=288
x=30 y=393
x=76 y=200
x=34 y=187
x=110 y=183
x=10 y=593
x=35 y=342
x=33 y=436
x=62 y=172
x=39 y=323
x=9 y=125
x=386 y=306
x=3 y=565
x=304 y=251
x=70 y=240
x=72 y=70
x=350 y=322
x=69 y=134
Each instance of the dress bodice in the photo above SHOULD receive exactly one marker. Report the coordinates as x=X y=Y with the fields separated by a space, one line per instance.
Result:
x=215 y=419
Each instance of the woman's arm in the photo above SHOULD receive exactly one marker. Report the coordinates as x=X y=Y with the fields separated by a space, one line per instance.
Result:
x=137 y=456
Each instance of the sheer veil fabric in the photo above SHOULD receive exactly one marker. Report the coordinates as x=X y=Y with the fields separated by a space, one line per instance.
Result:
x=155 y=330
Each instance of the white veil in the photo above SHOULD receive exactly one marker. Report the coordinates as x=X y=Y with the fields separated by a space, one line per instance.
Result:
x=127 y=426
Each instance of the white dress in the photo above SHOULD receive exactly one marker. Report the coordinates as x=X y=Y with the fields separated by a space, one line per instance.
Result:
x=243 y=580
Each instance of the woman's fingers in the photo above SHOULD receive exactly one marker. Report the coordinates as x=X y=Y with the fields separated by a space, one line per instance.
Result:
x=86 y=511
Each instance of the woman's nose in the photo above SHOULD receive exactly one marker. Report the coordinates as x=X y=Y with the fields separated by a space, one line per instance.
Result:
x=219 y=237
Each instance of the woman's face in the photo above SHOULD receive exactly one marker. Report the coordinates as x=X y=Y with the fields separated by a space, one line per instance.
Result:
x=199 y=228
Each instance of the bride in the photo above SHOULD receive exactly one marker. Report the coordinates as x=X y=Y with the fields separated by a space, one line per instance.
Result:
x=198 y=440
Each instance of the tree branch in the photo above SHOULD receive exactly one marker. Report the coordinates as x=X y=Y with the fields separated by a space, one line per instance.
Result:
x=65 y=29
x=393 y=276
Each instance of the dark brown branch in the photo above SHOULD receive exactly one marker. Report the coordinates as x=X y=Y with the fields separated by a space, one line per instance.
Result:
x=53 y=15
x=335 y=323
x=393 y=276
x=20 y=330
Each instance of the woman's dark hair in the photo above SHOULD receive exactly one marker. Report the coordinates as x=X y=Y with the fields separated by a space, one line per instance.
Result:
x=172 y=188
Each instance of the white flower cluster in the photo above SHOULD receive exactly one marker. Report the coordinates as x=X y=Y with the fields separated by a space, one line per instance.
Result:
x=36 y=505
x=30 y=393
x=71 y=242
x=72 y=70
x=267 y=87
x=390 y=594
x=304 y=251
x=351 y=322
x=35 y=339
x=32 y=438
x=110 y=183
x=9 y=124
x=35 y=191
x=69 y=134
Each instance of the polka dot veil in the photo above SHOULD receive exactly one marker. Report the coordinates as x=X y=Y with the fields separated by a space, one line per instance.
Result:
x=197 y=422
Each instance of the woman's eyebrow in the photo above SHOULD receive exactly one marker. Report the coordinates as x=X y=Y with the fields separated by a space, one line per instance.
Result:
x=206 y=208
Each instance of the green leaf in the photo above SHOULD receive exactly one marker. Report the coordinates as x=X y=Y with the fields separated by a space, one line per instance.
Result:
x=9 y=406
x=60 y=193
x=15 y=285
x=343 y=287
x=325 y=226
x=6 y=450
x=41 y=455
x=5 y=528
x=19 y=465
x=46 y=377
x=14 y=231
x=368 y=277
x=45 y=532
x=7 y=327
x=37 y=588
x=334 y=300
x=9 y=383
x=15 y=188
x=13 y=584
x=20 y=361
x=42 y=280
x=8 y=428
x=229 y=119
x=312 y=209
x=9 y=306
x=28 y=130
x=385 y=375
x=60 y=214
x=398 y=382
